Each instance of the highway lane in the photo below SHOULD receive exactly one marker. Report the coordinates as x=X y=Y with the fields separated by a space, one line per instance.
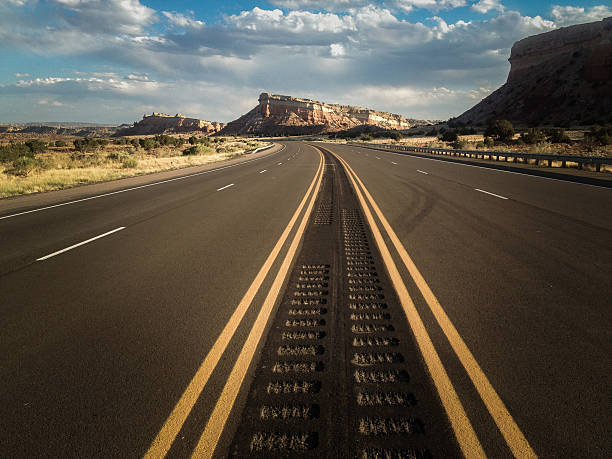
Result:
x=526 y=282
x=99 y=342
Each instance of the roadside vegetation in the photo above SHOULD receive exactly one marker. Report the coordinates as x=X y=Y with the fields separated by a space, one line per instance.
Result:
x=501 y=135
x=44 y=164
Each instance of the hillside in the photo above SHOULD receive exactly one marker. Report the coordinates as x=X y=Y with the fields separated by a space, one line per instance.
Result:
x=559 y=78
x=286 y=115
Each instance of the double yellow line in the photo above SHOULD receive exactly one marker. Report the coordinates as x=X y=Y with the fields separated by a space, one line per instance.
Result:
x=212 y=432
x=464 y=432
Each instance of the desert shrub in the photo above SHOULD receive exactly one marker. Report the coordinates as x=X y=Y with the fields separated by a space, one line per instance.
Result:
x=533 y=136
x=198 y=150
x=460 y=144
x=366 y=137
x=489 y=142
x=61 y=143
x=24 y=166
x=167 y=140
x=87 y=144
x=36 y=146
x=12 y=151
x=129 y=162
x=449 y=136
x=148 y=143
x=501 y=130
x=600 y=134
x=558 y=136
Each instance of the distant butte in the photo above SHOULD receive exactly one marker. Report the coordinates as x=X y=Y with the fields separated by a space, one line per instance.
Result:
x=286 y=115
x=559 y=78
x=160 y=123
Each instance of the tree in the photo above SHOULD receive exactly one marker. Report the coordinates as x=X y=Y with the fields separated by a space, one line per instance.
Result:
x=558 y=136
x=533 y=136
x=501 y=130
x=449 y=136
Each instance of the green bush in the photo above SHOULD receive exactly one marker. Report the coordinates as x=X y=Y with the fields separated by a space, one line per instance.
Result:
x=36 y=146
x=86 y=144
x=148 y=143
x=558 y=136
x=533 y=136
x=366 y=137
x=198 y=150
x=601 y=134
x=449 y=136
x=24 y=166
x=12 y=151
x=61 y=143
x=460 y=144
x=129 y=162
x=489 y=142
x=501 y=130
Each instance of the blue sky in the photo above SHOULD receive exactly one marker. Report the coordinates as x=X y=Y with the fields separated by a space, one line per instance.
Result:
x=110 y=61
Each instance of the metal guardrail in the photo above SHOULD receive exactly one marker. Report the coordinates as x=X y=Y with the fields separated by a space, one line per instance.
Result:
x=262 y=148
x=526 y=158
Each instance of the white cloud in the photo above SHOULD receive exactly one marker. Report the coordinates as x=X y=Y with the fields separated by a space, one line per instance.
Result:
x=326 y=5
x=484 y=6
x=570 y=15
x=22 y=75
x=337 y=50
x=110 y=16
x=432 y=5
x=181 y=20
x=51 y=103
x=322 y=54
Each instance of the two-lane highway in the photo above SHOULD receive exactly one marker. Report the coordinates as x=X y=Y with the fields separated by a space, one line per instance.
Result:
x=521 y=265
x=99 y=342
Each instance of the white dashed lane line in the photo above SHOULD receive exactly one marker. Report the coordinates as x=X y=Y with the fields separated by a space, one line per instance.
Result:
x=422 y=172
x=280 y=164
x=226 y=186
x=80 y=244
x=489 y=193
x=261 y=172
x=393 y=162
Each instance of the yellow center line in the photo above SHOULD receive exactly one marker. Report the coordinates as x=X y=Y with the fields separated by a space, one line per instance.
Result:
x=166 y=436
x=216 y=423
x=464 y=432
x=515 y=439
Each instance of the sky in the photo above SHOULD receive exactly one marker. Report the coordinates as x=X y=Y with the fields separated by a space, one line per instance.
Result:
x=111 y=61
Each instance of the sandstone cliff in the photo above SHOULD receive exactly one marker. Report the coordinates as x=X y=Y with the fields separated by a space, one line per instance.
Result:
x=160 y=123
x=561 y=78
x=286 y=115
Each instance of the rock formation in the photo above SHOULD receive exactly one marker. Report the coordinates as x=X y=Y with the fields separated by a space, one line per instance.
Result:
x=560 y=78
x=160 y=123
x=286 y=115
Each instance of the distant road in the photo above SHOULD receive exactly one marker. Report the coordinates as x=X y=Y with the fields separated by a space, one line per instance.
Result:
x=123 y=315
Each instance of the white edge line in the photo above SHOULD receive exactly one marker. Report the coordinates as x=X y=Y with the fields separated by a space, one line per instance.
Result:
x=137 y=187
x=422 y=172
x=226 y=186
x=492 y=194
x=80 y=243
x=523 y=174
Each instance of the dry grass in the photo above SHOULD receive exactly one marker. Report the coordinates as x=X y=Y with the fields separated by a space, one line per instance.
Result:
x=61 y=168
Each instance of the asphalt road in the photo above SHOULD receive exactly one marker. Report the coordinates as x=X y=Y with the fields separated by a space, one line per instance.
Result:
x=527 y=282
x=99 y=342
